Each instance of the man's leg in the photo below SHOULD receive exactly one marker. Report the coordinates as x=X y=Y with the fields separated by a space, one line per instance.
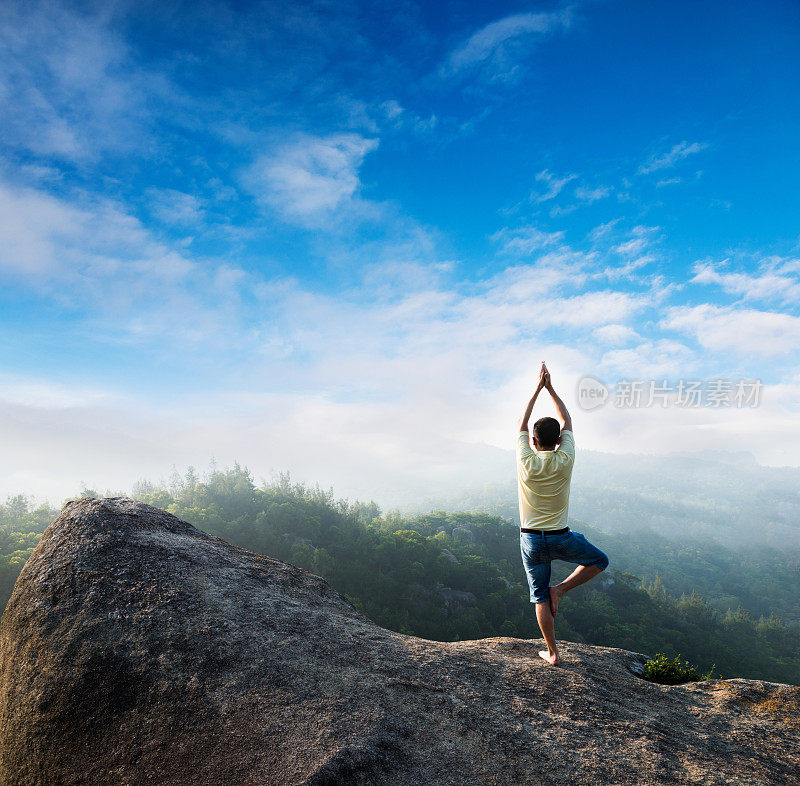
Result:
x=574 y=547
x=579 y=576
x=535 y=558
x=546 y=622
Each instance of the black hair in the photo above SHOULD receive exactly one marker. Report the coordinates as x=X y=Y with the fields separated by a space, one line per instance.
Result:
x=546 y=431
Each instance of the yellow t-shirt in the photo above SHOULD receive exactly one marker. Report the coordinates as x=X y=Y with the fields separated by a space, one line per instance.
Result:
x=544 y=478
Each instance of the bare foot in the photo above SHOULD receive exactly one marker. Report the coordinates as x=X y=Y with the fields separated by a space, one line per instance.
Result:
x=551 y=659
x=555 y=597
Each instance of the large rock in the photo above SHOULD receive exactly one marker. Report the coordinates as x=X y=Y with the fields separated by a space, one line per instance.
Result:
x=138 y=650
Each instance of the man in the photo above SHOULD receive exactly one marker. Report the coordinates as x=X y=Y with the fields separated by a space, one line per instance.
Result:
x=544 y=472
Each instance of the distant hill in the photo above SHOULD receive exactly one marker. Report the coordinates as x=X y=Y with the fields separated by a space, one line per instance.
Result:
x=726 y=497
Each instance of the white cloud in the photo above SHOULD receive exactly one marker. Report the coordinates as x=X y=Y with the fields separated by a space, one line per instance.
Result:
x=636 y=245
x=592 y=194
x=640 y=237
x=650 y=360
x=739 y=330
x=554 y=185
x=616 y=334
x=174 y=207
x=35 y=227
x=309 y=178
x=376 y=382
x=669 y=159
x=45 y=394
x=771 y=431
x=523 y=241
x=490 y=42
x=626 y=271
x=51 y=239
x=768 y=284
x=595 y=308
x=70 y=89
x=90 y=257
x=603 y=230
x=781 y=265
x=392 y=109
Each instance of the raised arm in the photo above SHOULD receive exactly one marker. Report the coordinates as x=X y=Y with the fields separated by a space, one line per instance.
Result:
x=526 y=415
x=560 y=405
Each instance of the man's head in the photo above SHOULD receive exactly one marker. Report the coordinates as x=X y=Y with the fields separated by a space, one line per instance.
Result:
x=546 y=434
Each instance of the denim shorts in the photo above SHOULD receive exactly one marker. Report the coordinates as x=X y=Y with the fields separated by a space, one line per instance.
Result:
x=540 y=548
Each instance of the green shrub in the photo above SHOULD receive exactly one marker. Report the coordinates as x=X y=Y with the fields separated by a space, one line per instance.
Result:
x=669 y=671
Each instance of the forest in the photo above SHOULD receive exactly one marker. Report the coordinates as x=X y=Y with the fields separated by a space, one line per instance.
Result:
x=457 y=575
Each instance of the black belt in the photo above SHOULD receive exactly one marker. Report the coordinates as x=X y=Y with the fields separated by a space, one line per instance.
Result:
x=548 y=531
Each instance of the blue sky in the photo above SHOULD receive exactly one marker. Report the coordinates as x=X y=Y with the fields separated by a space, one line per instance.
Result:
x=338 y=238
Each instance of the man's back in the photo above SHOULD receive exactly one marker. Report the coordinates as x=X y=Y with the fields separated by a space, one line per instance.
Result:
x=544 y=482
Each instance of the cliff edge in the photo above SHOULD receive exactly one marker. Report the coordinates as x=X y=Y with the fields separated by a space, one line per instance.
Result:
x=136 y=649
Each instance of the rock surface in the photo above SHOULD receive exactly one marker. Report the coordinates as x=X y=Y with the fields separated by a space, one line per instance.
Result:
x=138 y=650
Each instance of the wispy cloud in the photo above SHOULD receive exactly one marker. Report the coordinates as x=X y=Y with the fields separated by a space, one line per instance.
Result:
x=90 y=257
x=633 y=246
x=525 y=240
x=773 y=282
x=650 y=359
x=308 y=179
x=19 y=390
x=616 y=334
x=603 y=230
x=737 y=330
x=626 y=270
x=553 y=184
x=640 y=237
x=672 y=157
x=69 y=89
x=597 y=308
x=174 y=207
x=492 y=44
x=592 y=194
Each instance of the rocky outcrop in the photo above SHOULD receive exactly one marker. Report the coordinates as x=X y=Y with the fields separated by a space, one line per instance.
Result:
x=449 y=556
x=454 y=599
x=138 y=650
